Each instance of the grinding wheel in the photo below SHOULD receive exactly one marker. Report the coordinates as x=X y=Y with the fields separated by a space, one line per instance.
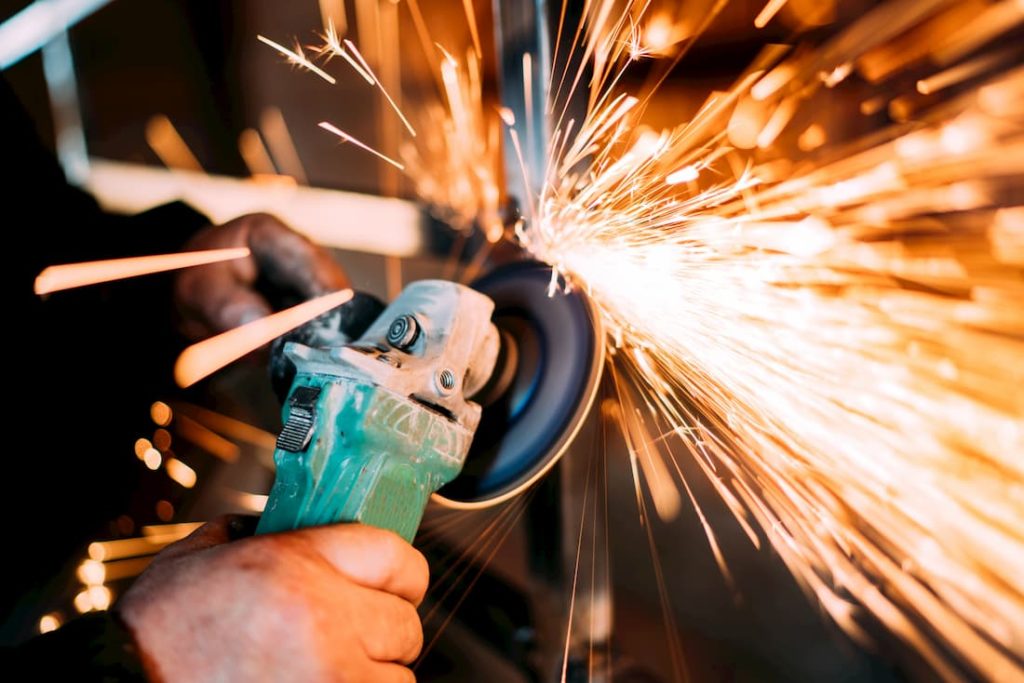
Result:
x=558 y=357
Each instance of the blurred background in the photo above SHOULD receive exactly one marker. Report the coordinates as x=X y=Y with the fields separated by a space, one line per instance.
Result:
x=153 y=84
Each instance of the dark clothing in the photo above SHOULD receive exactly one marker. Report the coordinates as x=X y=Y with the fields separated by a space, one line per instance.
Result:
x=95 y=647
x=83 y=367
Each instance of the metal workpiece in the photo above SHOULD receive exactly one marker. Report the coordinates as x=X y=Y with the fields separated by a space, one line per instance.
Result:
x=370 y=431
x=524 y=53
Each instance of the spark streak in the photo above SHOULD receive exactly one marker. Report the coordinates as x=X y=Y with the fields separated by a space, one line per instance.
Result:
x=71 y=275
x=298 y=59
x=331 y=128
x=333 y=48
x=166 y=142
x=383 y=90
x=208 y=356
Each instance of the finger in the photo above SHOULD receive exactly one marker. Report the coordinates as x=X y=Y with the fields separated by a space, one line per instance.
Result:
x=219 y=297
x=391 y=630
x=371 y=557
x=235 y=307
x=290 y=259
x=223 y=301
x=391 y=673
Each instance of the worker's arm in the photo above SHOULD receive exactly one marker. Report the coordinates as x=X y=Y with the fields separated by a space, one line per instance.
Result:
x=327 y=603
x=62 y=224
x=59 y=223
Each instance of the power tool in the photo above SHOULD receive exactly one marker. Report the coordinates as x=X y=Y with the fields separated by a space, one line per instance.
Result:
x=466 y=394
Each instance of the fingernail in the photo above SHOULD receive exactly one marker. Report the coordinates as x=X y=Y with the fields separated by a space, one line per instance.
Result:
x=238 y=314
x=251 y=314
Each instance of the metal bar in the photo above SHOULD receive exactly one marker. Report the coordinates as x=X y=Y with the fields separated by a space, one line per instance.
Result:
x=345 y=220
x=38 y=24
x=59 y=71
x=524 y=55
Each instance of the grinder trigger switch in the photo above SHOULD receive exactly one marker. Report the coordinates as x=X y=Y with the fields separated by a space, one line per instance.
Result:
x=298 y=426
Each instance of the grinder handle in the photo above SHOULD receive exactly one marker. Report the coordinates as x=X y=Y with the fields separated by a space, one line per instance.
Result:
x=356 y=452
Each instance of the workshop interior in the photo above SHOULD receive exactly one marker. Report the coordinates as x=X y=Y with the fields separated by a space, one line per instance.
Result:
x=685 y=338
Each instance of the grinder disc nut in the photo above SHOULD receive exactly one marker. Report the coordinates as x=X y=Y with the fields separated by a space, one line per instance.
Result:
x=403 y=332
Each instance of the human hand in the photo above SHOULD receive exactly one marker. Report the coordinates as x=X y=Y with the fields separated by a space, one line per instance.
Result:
x=220 y=296
x=332 y=603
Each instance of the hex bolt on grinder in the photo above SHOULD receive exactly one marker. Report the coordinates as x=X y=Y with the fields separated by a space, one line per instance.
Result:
x=379 y=416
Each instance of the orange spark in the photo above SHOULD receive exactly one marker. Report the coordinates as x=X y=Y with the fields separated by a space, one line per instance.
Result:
x=254 y=153
x=383 y=90
x=770 y=10
x=333 y=48
x=471 y=19
x=282 y=146
x=71 y=275
x=331 y=128
x=166 y=142
x=297 y=58
x=208 y=356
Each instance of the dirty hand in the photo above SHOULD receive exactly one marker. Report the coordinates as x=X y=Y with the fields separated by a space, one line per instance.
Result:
x=332 y=603
x=217 y=297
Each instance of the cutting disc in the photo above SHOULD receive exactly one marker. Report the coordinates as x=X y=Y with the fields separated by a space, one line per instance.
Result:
x=558 y=357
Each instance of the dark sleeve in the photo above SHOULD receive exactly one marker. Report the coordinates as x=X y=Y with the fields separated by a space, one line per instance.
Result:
x=87 y=363
x=58 y=223
x=96 y=647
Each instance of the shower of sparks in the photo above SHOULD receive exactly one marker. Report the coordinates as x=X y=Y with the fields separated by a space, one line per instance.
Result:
x=206 y=357
x=456 y=170
x=71 y=275
x=837 y=340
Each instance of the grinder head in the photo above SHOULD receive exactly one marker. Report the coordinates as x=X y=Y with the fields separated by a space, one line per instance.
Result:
x=546 y=378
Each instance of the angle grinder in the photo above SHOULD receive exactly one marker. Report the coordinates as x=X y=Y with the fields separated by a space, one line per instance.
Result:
x=467 y=394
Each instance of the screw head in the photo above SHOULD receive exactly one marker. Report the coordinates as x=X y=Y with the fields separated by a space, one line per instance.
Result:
x=445 y=381
x=403 y=332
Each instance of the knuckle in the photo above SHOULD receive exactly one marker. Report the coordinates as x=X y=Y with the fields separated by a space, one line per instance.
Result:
x=412 y=633
x=393 y=631
x=392 y=550
x=400 y=566
x=262 y=218
x=420 y=573
x=268 y=226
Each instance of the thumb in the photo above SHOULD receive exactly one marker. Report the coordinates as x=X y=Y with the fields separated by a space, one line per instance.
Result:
x=221 y=530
